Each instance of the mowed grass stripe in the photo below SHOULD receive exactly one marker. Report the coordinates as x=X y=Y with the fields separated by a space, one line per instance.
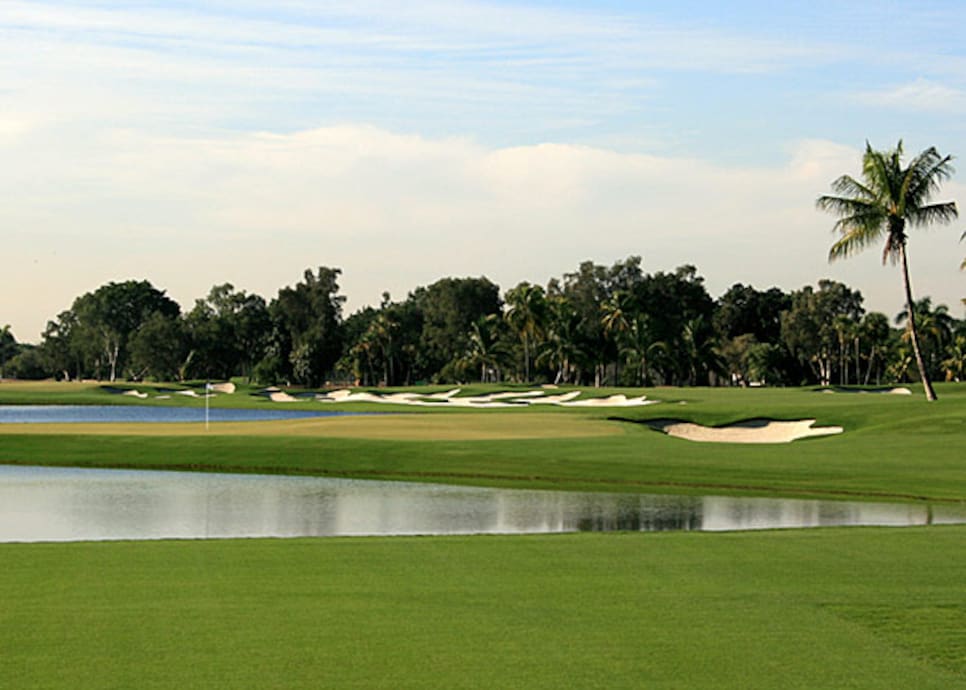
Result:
x=777 y=609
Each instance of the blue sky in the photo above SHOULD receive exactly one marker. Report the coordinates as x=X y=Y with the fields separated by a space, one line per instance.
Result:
x=193 y=143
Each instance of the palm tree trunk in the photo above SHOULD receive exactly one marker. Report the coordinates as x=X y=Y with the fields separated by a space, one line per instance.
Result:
x=913 y=334
x=526 y=358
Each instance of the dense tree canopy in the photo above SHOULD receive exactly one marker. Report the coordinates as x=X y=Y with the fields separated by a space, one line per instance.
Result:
x=615 y=325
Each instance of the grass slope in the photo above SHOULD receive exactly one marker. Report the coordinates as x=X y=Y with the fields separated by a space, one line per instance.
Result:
x=858 y=608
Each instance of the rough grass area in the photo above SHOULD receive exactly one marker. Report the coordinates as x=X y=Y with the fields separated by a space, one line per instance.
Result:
x=855 y=608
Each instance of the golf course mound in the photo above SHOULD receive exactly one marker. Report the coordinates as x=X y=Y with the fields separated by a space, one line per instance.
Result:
x=749 y=431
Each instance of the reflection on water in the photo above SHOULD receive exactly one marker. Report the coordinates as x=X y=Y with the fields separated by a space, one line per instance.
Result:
x=67 y=504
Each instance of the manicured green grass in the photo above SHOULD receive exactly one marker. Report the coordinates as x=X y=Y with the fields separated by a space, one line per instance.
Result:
x=828 y=608
x=841 y=608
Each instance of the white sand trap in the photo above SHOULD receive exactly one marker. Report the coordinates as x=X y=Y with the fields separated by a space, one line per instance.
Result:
x=555 y=399
x=444 y=396
x=451 y=399
x=280 y=396
x=401 y=398
x=349 y=396
x=898 y=390
x=337 y=396
x=752 y=431
x=492 y=398
x=476 y=402
x=365 y=397
x=188 y=393
x=135 y=394
x=228 y=388
x=611 y=401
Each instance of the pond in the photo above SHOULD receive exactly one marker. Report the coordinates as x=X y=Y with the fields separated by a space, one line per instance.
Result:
x=69 y=504
x=49 y=414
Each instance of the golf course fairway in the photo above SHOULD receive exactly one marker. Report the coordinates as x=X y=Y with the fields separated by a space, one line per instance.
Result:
x=818 y=608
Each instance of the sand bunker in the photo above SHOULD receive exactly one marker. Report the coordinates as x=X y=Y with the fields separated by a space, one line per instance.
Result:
x=751 y=431
x=502 y=399
x=612 y=401
x=228 y=388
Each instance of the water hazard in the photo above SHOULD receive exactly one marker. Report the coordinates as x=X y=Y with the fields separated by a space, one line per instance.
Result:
x=68 y=504
x=49 y=414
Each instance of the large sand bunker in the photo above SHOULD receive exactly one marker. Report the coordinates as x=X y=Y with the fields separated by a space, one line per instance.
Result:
x=450 y=398
x=517 y=399
x=751 y=431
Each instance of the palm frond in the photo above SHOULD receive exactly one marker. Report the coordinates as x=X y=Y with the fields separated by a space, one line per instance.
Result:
x=848 y=186
x=855 y=240
x=883 y=172
x=842 y=205
x=855 y=215
x=925 y=175
x=943 y=213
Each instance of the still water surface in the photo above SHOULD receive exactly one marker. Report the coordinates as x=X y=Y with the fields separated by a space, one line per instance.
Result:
x=68 y=504
x=49 y=414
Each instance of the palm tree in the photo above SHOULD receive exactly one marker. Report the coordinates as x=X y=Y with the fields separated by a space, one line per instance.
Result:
x=527 y=314
x=935 y=329
x=955 y=363
x=561 y=348
x=641 y=346
x=484 y=348
x=697 y=339
x=889 y=198
x=614 y=318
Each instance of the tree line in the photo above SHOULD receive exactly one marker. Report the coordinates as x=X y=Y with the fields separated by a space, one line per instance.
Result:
x=598 y=325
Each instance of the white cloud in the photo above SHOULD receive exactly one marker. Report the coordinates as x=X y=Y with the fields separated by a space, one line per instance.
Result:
x=919 y=95
x=394 y=211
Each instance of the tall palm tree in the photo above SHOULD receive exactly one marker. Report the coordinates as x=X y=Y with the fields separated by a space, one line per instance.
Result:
x=484 y=348
x=527 y=314
x=615 y=318
x=889 y=198
x=642 y=346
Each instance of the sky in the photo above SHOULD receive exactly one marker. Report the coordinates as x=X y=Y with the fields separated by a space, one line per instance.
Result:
x=244 y=141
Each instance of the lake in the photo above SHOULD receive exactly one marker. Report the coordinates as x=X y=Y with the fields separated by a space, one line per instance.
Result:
x=49 y=414
x=70 y=504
